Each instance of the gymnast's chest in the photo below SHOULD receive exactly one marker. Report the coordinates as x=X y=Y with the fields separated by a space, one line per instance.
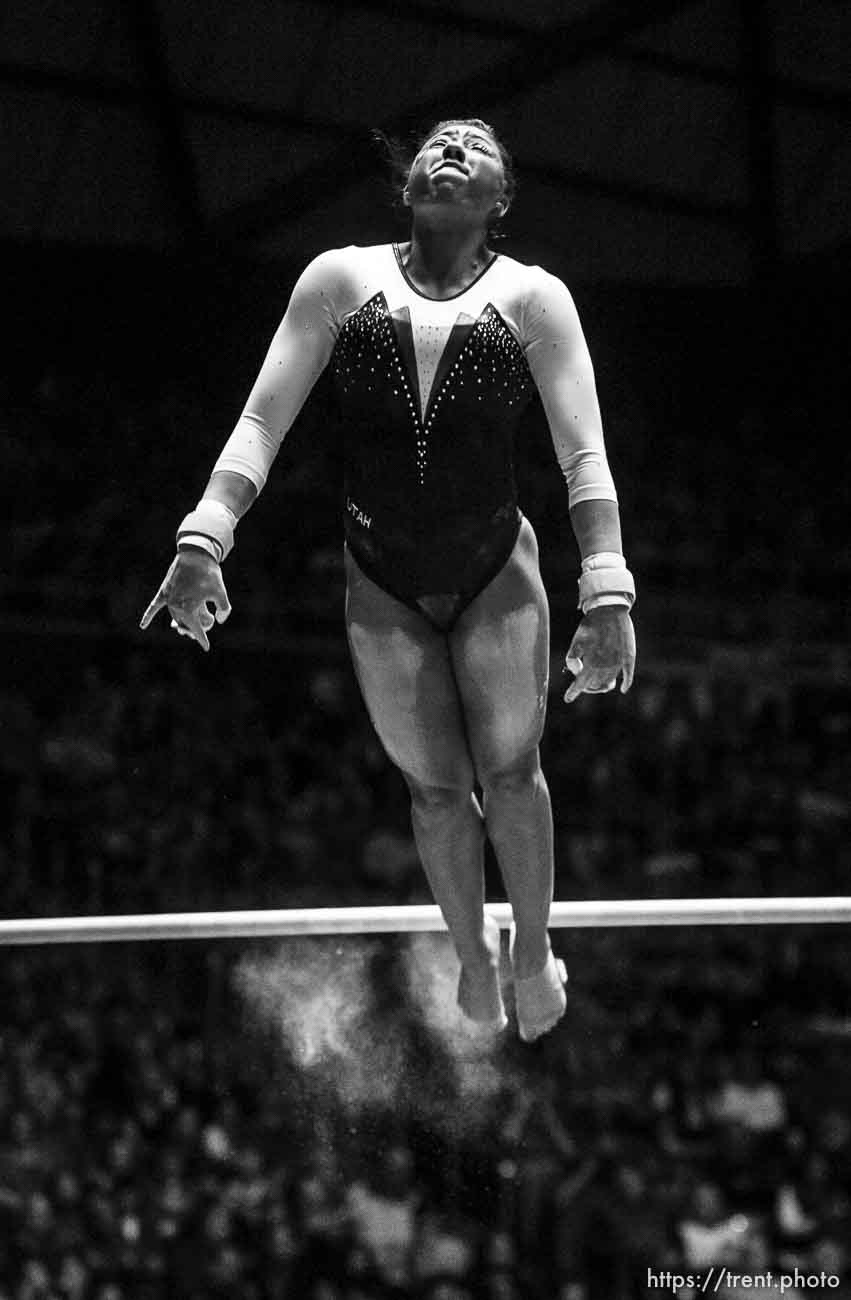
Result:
x=427 y=365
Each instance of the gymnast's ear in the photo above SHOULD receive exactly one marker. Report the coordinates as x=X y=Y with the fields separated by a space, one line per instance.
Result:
x=406 y=198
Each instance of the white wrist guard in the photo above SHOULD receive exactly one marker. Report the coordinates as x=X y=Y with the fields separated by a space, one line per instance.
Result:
x=605 y=580
x=210 y=525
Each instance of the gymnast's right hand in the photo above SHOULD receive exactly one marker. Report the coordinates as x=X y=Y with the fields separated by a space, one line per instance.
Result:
x=193 y=582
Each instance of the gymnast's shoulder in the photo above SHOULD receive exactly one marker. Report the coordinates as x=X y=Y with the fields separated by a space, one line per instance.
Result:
x=530 y=279
x=539 y=302
x=344 y=275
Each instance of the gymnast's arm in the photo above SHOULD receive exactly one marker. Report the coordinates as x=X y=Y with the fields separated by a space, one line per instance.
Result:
x=559 y=360
x=299 y=352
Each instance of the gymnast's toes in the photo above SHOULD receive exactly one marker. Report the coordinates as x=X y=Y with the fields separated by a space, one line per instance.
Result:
x=540 y=1000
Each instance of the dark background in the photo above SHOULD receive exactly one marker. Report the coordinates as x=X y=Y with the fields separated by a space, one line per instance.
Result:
x=167 y=171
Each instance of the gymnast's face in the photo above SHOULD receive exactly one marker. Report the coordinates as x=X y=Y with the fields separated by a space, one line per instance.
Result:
x=458 y=170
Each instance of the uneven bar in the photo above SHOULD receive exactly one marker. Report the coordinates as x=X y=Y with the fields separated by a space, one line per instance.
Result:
x=630 y=912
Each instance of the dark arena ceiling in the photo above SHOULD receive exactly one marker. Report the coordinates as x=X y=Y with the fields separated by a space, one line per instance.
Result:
x=682 y=143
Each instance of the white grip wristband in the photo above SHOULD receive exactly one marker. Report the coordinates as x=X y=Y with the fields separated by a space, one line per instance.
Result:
x=210 y=525
x=605 y=580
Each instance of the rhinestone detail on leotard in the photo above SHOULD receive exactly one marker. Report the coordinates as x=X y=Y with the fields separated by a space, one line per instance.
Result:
x=369 y=356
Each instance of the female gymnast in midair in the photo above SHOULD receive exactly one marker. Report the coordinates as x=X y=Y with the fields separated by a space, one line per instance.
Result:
x=435 y=346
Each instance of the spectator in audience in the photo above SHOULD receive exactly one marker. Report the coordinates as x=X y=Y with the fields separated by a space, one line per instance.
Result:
x=748 y=1098
x=383 y=1208
x=709 y=1233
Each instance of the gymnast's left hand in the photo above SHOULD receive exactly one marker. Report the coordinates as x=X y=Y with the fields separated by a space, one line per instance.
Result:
x=602 y=649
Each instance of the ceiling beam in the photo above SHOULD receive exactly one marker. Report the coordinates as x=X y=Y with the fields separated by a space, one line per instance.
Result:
x=756 y=68
x=529 y=63
x=121 y=94
x=442 y=17
x=166 y=112
x=790 y=92
x=646 y=195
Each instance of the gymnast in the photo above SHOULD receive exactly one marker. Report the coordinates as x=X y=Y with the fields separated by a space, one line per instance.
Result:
x=436 y=345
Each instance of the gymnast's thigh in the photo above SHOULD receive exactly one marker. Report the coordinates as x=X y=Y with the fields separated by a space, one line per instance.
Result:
x=403 y=666
x=500 y=648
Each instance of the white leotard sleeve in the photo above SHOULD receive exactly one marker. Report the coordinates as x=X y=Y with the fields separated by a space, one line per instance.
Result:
x=298 y=354
x=558 y=358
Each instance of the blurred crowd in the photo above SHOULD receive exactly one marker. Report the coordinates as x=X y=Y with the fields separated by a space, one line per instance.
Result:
x=159 y=1139
x=162 y=779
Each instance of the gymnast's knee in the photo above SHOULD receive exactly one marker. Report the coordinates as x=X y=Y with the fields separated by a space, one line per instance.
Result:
x=517 y=774
x=437 y=798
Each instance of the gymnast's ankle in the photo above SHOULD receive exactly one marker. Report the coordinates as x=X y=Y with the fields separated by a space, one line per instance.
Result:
x=485 y=952
x=529 y=952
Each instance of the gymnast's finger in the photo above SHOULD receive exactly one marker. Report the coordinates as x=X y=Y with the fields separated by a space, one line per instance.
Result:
x=602 y=679
x=592 y=681
x=192 y=628
x=577 y=686
x=153 y=609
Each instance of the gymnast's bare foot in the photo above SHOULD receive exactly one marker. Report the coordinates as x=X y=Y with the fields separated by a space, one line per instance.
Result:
x=540 y=998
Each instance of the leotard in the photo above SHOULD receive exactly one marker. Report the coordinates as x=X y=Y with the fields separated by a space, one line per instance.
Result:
x=431 y=393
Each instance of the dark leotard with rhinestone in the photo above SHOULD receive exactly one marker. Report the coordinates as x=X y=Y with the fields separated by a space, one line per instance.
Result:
x=431 y=393
x=431 y=500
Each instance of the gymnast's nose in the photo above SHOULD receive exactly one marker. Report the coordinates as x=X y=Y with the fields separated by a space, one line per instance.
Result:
x=454 y=153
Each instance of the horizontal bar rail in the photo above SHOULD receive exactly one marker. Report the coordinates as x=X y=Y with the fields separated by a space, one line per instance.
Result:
x=282 y=923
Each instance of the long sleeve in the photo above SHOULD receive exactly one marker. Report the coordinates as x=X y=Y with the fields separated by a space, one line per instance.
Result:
x=299 y=352
x=558 y=358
